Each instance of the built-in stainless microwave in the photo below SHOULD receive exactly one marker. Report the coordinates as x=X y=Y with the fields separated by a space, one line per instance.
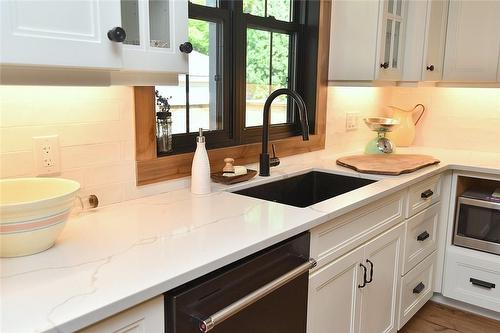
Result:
x=477 y=222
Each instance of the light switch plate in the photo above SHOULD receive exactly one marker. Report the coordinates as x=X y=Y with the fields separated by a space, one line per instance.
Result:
x=46 y=155
x=351 y=121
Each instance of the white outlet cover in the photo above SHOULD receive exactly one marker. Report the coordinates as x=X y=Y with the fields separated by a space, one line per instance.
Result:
x=46 y=154
x=351 y=121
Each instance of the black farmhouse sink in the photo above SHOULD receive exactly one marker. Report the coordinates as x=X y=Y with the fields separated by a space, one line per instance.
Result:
x=305 y=190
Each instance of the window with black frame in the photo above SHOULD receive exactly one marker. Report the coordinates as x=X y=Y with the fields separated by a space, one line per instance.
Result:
x=242 y=51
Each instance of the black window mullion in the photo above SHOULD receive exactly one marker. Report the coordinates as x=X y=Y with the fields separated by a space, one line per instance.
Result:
x=187 y=103
x=270 y=62
x=270 y=24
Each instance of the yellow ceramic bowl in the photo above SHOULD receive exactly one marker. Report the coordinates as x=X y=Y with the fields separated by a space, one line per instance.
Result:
x=33 y=212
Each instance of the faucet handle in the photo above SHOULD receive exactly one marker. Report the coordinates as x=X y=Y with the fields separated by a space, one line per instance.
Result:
x=274 y=161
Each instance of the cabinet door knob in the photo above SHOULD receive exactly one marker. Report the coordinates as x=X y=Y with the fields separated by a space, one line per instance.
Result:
x=426 y=194
x=430 y=68
x=385 y=65
x=186 y=47
x=418 y=289
x=117 y=34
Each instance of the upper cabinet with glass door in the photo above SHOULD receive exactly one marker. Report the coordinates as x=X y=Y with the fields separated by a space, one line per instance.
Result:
x=392 y=41
x=157 y=35
x=367 y=39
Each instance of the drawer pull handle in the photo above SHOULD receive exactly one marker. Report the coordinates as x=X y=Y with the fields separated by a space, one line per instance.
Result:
x=481 y=283
x=364 y=277
x=426 y=194
x=418 y=289
x=371 y=271
x=423 y=236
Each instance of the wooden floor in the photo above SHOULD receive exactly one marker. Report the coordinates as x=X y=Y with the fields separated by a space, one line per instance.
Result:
x=434 y=317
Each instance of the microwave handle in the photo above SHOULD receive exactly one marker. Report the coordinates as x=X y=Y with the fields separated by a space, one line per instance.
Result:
x=232 y=309
x=479 y=203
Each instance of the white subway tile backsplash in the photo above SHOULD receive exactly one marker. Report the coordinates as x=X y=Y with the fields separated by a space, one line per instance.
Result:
x=19 y=164
x=95 y=126
x=456 y=118
x=111 y=173
x=96 y=129
x=75 y=174
x=89 y=155
x=364 y=101
x=107 y=194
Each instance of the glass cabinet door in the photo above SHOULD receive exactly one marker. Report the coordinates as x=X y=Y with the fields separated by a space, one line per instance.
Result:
x=159 y=24
x=130 y=21
x=392 y=39
x=154 y=29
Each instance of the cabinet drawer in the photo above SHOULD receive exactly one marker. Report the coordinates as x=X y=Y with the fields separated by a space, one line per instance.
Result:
x=145 y=317
x=332 y=239
x=473 y=278
x=420 y=236
x=416 y=288
x=422 y=195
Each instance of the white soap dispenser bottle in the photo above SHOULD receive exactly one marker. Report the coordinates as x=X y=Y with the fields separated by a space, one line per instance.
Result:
x=200 y=170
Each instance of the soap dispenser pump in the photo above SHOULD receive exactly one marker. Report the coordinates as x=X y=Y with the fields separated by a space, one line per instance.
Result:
x=200 y=170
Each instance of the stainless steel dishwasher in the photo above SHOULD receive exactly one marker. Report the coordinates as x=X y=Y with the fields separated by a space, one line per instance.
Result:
x=262 y=293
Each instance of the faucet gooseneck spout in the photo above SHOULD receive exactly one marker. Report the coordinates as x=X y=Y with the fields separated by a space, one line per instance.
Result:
x=304 y=123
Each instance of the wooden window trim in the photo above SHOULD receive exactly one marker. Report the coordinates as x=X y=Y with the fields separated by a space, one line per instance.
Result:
x=152 y=169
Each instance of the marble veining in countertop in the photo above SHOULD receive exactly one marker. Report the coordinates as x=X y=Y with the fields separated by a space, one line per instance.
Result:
x=117 y=256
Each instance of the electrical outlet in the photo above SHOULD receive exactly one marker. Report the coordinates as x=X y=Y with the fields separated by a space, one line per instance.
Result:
x=351 y=121
x=46 y=155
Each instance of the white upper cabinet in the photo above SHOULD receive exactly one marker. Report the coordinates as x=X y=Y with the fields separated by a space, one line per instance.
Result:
x=435 y=40
x=498 y=74
x=473 y=41
x=60 y=33
x=155 y=30
x=366 y=40
x=353 y=40
x=426 y=36
x=127 y=35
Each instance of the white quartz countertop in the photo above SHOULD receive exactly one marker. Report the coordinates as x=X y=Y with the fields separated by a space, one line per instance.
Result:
x=117 y=256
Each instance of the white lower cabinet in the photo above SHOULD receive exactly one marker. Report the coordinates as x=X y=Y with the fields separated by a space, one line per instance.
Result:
x=421 y=236
x=343 y=299
x=379 y=298
x=334 y=300
x=472 y=277
x=145 y=317
x=416 y=288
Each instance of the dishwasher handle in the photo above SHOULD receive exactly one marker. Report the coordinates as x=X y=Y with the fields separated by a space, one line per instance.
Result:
x=232 y=309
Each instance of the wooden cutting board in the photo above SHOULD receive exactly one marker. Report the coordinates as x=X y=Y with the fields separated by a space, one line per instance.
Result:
x=387 y=164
